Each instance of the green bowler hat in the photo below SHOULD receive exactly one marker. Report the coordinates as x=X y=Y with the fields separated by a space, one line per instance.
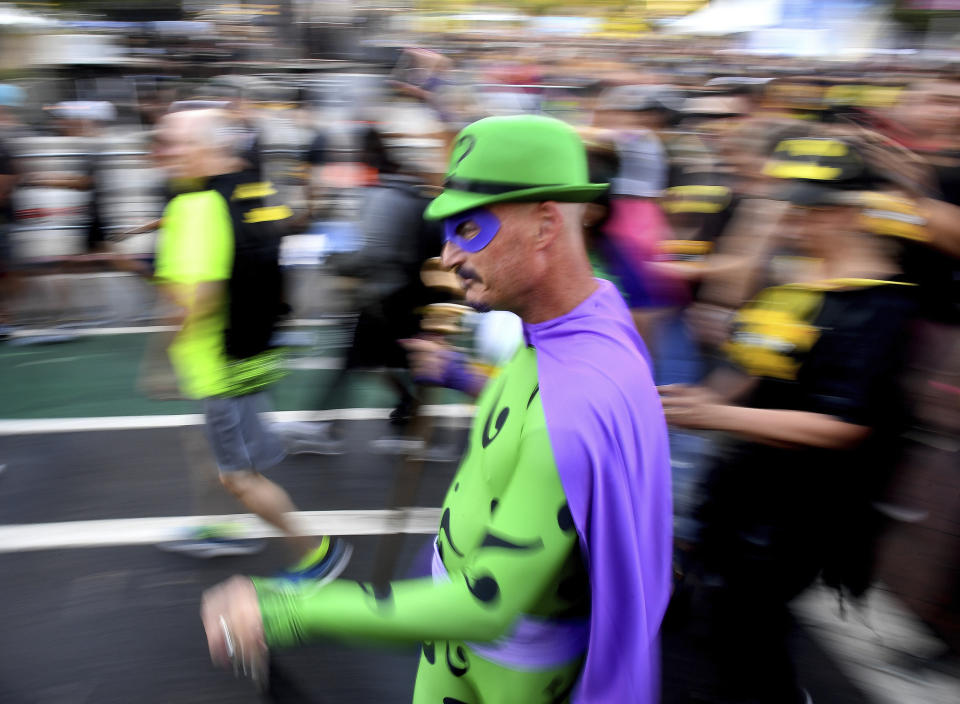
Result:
x=519 y=158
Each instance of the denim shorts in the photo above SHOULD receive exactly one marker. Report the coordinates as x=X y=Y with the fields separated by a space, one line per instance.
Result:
x=240 y=439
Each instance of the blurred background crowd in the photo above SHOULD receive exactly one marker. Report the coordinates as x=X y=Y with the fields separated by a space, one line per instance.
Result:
x=745 y=140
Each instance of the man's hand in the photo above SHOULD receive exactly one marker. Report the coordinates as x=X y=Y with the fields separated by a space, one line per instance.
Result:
x=409 y=89
x=694 y=407
x=193 y=300
x=429 y=359
x=234 y=626
x=139 y=230
x=710 y=324
x=901 y=166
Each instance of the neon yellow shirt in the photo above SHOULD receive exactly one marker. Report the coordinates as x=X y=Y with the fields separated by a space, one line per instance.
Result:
x=197 y=246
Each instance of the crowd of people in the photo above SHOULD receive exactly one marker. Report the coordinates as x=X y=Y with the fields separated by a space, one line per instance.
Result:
x=723 y=280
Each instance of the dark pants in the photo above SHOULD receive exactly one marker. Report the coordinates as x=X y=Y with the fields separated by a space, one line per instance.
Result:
x=375 y=345
x=764 y=537
x=751 y=622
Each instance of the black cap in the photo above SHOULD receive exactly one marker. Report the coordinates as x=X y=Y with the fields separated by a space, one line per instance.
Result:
x=828 y=161
x=698 y=192
x=808 y=194
x=820 y=171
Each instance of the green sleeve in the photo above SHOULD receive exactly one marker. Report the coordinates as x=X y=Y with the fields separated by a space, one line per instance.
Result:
x=196 y=244
x=526 y=542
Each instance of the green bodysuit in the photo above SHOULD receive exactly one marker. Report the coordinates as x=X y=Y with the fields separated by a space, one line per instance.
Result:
x=514 y=572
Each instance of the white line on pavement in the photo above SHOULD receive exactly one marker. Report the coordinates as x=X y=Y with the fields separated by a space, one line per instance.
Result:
x=140 y=329
x=295 y=364
x=305 y=363
x=316 y=322
x=34 y=426
x=90 y=332
x=147 y=531
x=59 y=360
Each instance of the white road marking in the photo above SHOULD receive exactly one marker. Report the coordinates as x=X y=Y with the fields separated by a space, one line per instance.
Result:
x=317 y=322
x=35 y=426
x=313 y=363
x=58 y=360
x=148 y=531
x=91 y=332
x=53 y=360
x=297 y=364
x=141 y=329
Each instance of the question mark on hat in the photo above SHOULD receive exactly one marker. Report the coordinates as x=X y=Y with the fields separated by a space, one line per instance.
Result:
x=470 y=141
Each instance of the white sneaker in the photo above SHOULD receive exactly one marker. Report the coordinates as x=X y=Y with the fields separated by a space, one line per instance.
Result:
x=309 y=438
x=298 y=429
x=441 y=453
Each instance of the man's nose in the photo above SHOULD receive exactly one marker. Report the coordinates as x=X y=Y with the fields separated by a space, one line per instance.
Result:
x=451 y=255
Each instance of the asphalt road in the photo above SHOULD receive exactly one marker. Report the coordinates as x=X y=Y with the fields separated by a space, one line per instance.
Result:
x=119 y=624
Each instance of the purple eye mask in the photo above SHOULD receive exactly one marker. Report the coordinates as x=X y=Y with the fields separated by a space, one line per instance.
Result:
x=487 y=222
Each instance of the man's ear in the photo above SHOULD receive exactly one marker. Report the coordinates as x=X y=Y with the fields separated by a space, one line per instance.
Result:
x=551 y=224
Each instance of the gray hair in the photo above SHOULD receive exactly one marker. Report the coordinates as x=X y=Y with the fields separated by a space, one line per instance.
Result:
x=214 y=125
x=224 y=133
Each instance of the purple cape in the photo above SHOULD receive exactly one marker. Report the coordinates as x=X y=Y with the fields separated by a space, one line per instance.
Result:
x=610 y=445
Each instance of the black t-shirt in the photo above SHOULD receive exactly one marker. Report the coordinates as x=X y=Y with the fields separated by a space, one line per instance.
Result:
x=948 y=178
x=7 y=168
x=937 y=273
x=250 y=149
x=699 y=208
x=96 y=233
x=317 y=151
x=256 y=289
x=938 y=278
x=834 y=349
x=828 y=348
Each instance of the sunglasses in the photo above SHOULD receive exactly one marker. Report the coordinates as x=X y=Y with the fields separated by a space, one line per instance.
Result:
x=471 y=231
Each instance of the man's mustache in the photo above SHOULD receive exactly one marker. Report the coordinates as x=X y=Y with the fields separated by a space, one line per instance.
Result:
x=466 y=274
